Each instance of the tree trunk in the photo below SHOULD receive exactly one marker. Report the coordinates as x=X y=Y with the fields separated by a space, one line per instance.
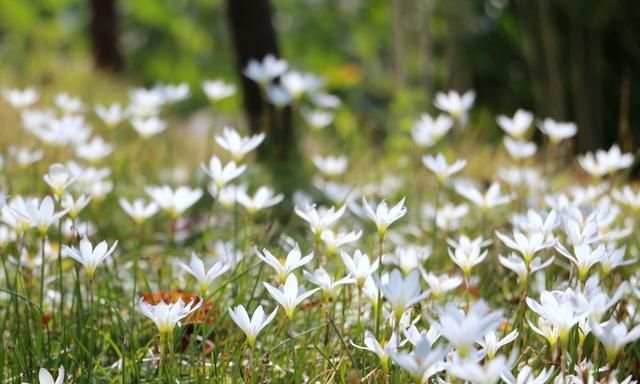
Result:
x=104 y=35
x=254 y=37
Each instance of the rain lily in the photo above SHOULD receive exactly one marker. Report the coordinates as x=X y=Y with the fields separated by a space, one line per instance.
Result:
x=359 y=266
x=139 y=210
x=383 y=216
x=383 y=351
x=322 y=279
x=584 y=257
x=112 y=115
x=467 y=253
x=491 y=344
x=45 y=377
x=401 y=293
x=89 y=256
x=527 y=245
x=462 y=330
x=440 y=284
x=423 y=362
x=289 y=295
x=438 y=165
x=284 y=267
x=517 y=126
x=149 y=126
x=251 y=326
x=490 y=199
x=331 y=165
x=203 y=276
x=237 y=145
x=557 y=131
x=614 y=336
x=426 y=132
x=59 y=178
x=74 y=205
x=558 y=309
x=455 y=104
x=320 y=219
x=519 y=149
x=175 y=202
x=166 y=316
x=42 y=216
x=21 y=98
x=217 y=90
x=94 y=150
x=264 y=72
x=264 y=197
x=220 y=174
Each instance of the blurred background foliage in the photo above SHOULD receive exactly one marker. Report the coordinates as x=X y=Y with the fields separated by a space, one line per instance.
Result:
x=567 y=59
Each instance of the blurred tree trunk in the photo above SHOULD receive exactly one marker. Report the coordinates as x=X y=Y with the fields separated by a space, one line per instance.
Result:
x=555 y=93
x=254 y=37
x=104 y=35
x=397 y=30
x=424 y=45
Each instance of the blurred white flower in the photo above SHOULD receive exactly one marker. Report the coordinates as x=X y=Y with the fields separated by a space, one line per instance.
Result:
x=148 y=126
x=322 y=279
x=438 y=165
x=359 y=266
x=520 y=149
x=383 y=351
x=557 y=131
x=175 y=202
x=204 y=276
x=94 y=150
x=456 y=105
x=422 y=363
x=267 y=70
x=111 y=115
x=316 y=118
x=217 y=90
x=490 y=199
x=68 y=104
x=24 y=157
x=21 y=98
x=490 y=343
x=331 y=165
x=44 y=377
x=517 y=126
x=59 y=178
x=614 y=336
x=263 y=198
x=467 y=253
x=440 y=284
x=284 y=267
x=237 y=145
x=558 y=310
x=401 y=293
x=605 y=162
x=74 y=205
x=426 y=132
x=221 y=175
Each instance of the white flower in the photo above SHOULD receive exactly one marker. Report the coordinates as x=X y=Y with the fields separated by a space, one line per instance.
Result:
x=557 y=131
x=474 y=372
x=605 y=162
x=139 y=210
x=325 y=100
x=42 y=216
x=517 y=126
x=383 y=216
x=440 y=284
x=423 y=362
x=44 y=377
x=383 y=351
x=546 y=329
x=520 y=149
x=278 y=96
x=583 y=257
x=24 y=157
x=557 y=308
x=166 y=316
x=522 y=268
x=492 y=198
x=462 y=330
x=21 y=98
x=426 y=132
x=148 y=126
x=527 y=376
x=438 y=165
x=320 y=219
x=220 y=174
x=175 y=202
x=89 y=256
x=491 y=344
x=528 y=245
x=74 y=205
x=172 y=93
x=290 y=295
x=627 y=197
x=316 y=118
x=264 y=197
x=455 y=104
x=145 y=102
x=217 y=90
x=205 y=277
x=359 y=266
x=297 y=83
x=59 y=178
x=267 y=70
x=237 y=145
x=331 y=165
x=614 y=336
x=112 y=115
x=334 y=240
x=284 y=267
x=94 y=150
x=467 y=253
x=322 y=279
x=68 y=104
x=408 y=257
x=401 y=293
x=251 y=326
x=614 y=258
